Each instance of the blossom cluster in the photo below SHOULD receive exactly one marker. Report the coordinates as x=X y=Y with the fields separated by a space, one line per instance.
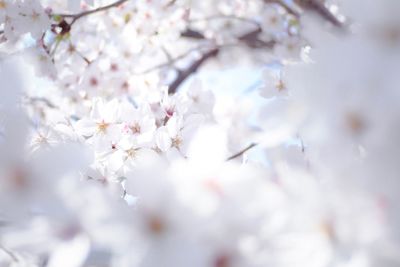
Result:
x=115 y=152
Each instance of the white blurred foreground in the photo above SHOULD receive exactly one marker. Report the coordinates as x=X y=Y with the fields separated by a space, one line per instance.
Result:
x=105 y=159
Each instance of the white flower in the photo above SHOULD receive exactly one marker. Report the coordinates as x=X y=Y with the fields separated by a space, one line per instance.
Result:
x=4 y=6
x=128 y=154
x=138 y=122
x=290 y=48
x=274 y=84
x=177 y=132
x=168 y=232
x=27 y=16
x=201 y=101
x=273 y=21
x=43 y=138
x=102 y=120
x=41 y=61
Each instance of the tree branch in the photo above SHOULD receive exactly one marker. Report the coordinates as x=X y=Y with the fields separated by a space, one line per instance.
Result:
x=319 y=6
x=9 y=253
x=77 y=16
x=43 y=100
x=183 y=75
x=250 y=38
x=241 y=152
x=190 y=33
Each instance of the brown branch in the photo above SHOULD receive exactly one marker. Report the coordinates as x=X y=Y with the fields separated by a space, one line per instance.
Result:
x=225 y=17
x=251 y=39
x=43 y=100
x=169 y=62
x=241 y=152
x=183 y=75
x=190 y=33
x=319 y=6
x=77 y=16
x=9 y=253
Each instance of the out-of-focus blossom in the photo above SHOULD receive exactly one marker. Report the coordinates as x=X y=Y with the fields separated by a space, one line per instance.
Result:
x=112 y=155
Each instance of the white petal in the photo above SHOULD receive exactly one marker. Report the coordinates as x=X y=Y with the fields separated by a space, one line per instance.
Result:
x=85 y=127
x=70 y=254
x=163 y=139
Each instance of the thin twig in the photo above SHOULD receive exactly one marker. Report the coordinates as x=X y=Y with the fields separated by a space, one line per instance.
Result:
x=241 y=152
x=320 y=7
x=217 y=17
x=77 y=16
x=191 y=33
x=43 y=100
x=88 y=62
x=169 y=62
x=9 y=253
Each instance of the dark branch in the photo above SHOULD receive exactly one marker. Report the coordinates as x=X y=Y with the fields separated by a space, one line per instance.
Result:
x=251 y=39
x=190 y=33
x=9 y=253
x=319 y=6
x=184 y=74
x=42 y=100
x=75 y=17
x=241 y=152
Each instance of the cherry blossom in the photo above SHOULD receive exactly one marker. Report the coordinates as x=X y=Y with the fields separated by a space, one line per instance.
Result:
x=119 y=145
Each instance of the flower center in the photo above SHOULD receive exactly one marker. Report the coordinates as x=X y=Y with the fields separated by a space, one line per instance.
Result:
x=35 y=15
x=222 y=260
x=135 y=128
x=156 y=225
x=176 y=142
x=102 y=126
x=3 y=4
x=280 y=86
x=355 y=122
x=131 y=153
